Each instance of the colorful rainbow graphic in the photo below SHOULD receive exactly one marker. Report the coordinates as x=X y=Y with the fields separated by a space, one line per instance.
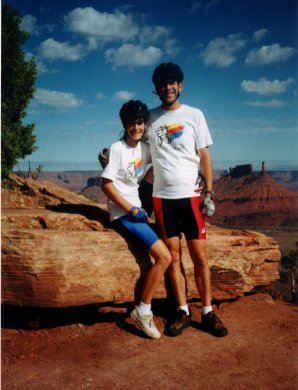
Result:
x=174 y=130
x=138 y=163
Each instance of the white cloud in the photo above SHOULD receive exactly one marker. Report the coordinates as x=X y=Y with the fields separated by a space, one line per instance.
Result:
x=210 y=4
x=54 y=50
x=29 y=24
x=195 y=7
x=123 y=95
x=220 y=52
x=266 y=87
x=41 y=67
x=133 y=55
x=206 y=4
x=92 y=44
x=57 y=99
x=269 y=55
x=274 y=103
x=103 y=26
x=171 y=47
x=99 y=96
x=153 y=33
x=263 y=130
x=259 y=34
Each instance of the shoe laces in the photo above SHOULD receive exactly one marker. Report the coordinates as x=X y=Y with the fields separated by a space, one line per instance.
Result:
x=214 y=319
x=180 y=316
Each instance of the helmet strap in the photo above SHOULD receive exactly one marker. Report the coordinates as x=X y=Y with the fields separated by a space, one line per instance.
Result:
x=169 y=104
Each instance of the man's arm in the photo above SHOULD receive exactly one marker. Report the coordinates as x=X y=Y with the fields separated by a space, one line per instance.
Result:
x=207 y=205
x=206 y=167
x=149 y=176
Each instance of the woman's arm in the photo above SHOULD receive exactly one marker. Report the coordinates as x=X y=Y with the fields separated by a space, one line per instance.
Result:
x=109 y=189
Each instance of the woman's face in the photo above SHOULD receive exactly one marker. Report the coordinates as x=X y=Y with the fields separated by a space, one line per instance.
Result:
x=136 y=129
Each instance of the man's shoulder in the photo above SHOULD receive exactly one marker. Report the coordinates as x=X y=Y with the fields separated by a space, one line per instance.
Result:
x=186 y=107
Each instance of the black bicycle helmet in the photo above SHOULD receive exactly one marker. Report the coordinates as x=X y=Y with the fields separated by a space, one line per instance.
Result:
x=165 y=72
x=133 y=110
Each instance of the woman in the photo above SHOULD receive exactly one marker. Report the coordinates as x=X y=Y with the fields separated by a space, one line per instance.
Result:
x=126 y=168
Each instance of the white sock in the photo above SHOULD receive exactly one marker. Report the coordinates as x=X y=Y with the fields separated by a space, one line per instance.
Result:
x=207 y=309
x=144 y=308
x=184 y=308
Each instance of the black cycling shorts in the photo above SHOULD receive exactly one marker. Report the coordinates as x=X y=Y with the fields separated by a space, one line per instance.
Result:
x=174 y=216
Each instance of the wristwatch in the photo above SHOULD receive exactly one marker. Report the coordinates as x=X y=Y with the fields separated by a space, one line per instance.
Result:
x=210 y=193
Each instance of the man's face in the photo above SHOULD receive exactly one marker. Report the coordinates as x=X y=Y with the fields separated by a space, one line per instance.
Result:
x=169 y=91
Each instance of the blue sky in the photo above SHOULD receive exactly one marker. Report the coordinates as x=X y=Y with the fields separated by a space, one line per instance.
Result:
x=239 y=58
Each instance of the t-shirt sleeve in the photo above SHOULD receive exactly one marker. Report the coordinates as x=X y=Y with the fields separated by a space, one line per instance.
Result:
x=203 y=136
x=112 y=168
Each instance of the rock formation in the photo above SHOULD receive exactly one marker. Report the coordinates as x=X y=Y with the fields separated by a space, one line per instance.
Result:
x=251 y=200
x=58 y=250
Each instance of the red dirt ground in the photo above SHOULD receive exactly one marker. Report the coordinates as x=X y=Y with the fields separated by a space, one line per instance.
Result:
x=100 y=348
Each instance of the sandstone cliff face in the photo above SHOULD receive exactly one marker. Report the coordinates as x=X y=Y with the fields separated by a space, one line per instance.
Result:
x=255 y=201
x=58 y=250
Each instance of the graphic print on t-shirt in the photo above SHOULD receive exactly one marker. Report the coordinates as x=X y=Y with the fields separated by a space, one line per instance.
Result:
x=168 y=133
x=134 y=168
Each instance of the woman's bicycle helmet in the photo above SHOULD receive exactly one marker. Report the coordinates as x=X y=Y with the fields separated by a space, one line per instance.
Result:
x=133 y=110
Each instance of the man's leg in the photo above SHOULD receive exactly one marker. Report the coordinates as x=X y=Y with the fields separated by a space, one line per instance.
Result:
x=168 y=226
x=210 y=322
x=174 y=271
x=197 y=251
x=183 y=317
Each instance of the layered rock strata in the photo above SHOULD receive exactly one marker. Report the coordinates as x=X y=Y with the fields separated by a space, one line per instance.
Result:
x=58 y=250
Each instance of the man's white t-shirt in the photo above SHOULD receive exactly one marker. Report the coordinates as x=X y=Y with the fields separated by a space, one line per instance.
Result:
x=174 y=138
x=126 y=168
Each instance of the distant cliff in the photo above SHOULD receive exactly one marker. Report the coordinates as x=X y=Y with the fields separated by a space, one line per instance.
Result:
x=81 y=180
x=233 y=208
x=244 y=198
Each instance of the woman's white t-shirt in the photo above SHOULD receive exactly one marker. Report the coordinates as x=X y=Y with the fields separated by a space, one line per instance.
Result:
x=126 y=168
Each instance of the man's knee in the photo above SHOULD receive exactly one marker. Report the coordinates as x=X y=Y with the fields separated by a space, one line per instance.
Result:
x=175 y=258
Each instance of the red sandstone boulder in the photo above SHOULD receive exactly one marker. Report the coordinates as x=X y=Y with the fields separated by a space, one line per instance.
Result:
x=58 y=250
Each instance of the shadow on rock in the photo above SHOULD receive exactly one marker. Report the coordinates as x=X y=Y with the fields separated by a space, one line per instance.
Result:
x=94 y=213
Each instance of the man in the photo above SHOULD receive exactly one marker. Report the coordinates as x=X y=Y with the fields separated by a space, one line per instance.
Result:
x=179 y=139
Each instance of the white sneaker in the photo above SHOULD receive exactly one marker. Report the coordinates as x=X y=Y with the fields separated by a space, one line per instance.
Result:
x=146 y=323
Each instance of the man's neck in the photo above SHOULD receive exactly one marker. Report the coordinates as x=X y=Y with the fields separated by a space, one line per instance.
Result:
x=171 y=107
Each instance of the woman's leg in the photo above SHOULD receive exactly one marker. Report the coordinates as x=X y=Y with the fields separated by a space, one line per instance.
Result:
x=162 y=259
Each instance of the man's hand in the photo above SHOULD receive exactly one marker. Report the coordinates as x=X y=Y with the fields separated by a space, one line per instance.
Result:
x=207 y=206
x=103 y=157
x=200 y=183
x=138 y=215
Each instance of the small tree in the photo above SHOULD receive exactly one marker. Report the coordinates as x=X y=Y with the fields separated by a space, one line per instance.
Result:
x=18 y=78
x=289 y=268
